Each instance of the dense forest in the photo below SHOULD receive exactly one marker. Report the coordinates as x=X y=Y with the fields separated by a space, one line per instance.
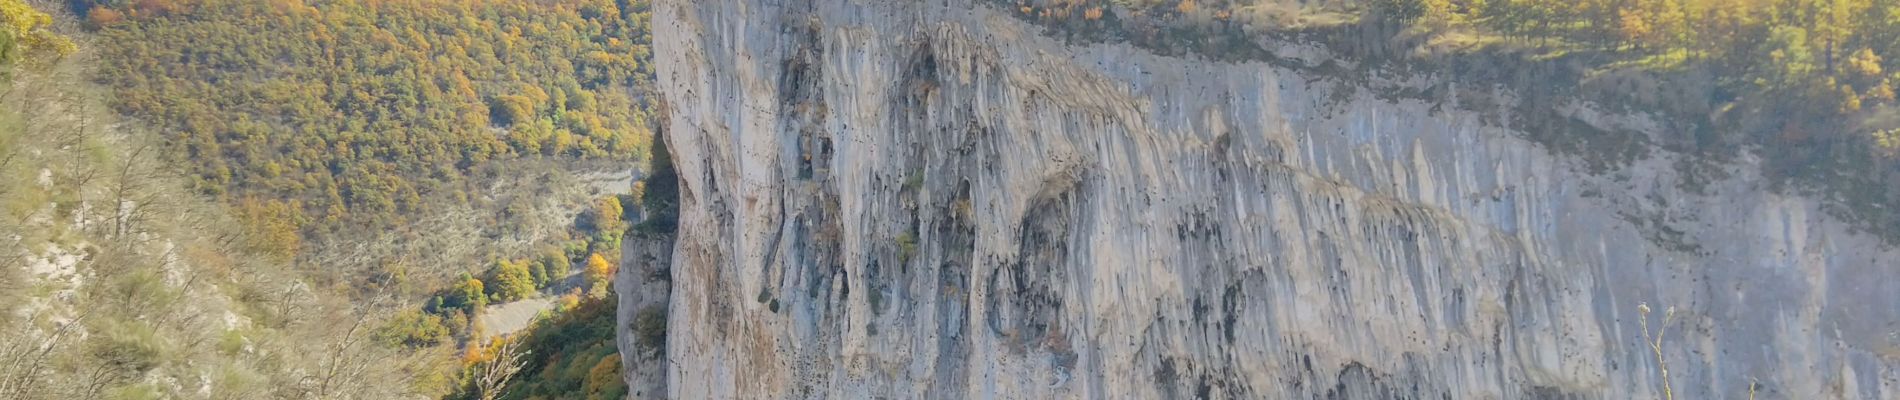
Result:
x=311 y=121
x=117 y=283
x=1805 y=85
x=568 y=356
x=322 y=116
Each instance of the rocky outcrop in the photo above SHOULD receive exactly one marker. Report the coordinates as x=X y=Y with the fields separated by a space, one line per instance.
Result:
x=642 y=287
x=929 y=199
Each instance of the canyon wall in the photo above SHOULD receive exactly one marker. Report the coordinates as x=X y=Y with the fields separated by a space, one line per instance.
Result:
x=932 y=199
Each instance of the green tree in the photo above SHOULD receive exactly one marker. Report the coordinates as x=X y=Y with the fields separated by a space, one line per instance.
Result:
x=1670 y=24
x=1789 y=59
x=1401 y=11
x=558 y=265
x=413 y=328
x=510 y=280
x=510 y=110
x=1834 y=23
x=1634 y=26
x=468 y=294
x=540 y=272
x=607 y=215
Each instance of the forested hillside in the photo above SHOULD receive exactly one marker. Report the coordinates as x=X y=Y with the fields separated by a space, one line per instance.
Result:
x=26 y=36
x=320 y=117
x=165 y=250
x=116 y=283
x=1805 y=85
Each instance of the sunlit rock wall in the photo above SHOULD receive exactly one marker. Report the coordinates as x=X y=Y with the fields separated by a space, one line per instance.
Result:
x=930 y=199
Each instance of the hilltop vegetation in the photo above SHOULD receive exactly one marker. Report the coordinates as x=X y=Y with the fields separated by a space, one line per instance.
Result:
x=352 y=125
x=568 y=356
x=115 y=283
x=330 y=117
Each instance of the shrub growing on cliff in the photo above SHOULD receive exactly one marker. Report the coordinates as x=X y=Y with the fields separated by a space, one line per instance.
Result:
x=649 y=327
x=906 y=246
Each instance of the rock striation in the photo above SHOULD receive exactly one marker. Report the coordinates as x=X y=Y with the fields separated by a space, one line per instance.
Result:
x=932 y=199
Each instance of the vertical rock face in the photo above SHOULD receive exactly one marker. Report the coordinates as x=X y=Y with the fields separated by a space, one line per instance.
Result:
x=642 y=298
x=929 y=199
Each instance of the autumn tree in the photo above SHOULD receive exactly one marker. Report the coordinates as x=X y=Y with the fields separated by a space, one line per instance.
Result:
x=369 y=117
x=273 y=226
x=600 y=274
x=100 y=17
x=1834 y=23
x=1863 y=65
x=607 y=216
x=604 y=374
x=468 y=294
x=1788 y=60
x=491 y=366
x=26 y=34
x=510 y=281
x=606 y=221
x=1633 y=26
x=413 y=328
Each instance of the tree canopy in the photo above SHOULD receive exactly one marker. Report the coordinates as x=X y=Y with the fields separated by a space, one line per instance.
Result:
x=367 y=112
x=26 y=34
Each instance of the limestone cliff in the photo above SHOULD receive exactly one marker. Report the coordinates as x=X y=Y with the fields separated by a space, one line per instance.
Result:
x=930 y=199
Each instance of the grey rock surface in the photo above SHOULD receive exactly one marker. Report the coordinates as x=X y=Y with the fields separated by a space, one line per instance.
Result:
x=642 y=286
x=930 y=199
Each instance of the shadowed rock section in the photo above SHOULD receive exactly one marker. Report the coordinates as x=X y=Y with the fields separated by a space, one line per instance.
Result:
x=909 y=199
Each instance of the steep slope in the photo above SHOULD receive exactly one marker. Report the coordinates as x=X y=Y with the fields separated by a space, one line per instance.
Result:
x=115 y=283
x=366 y=136
x=930 y=199
x=122 y=275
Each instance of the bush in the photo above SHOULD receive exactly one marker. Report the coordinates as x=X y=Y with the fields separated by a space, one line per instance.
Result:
x=126 y=349
x=571 y=356
x=413 y=328
x=539 y=270
x=906 y=246
x=600 y=274
x=649 y=328
x=469 y=295
x=604 y=376
x=557 y=262
x=510 y=281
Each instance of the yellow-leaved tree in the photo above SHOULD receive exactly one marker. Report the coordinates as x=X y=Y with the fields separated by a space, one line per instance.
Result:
x=26 y=36
x=599 y=273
